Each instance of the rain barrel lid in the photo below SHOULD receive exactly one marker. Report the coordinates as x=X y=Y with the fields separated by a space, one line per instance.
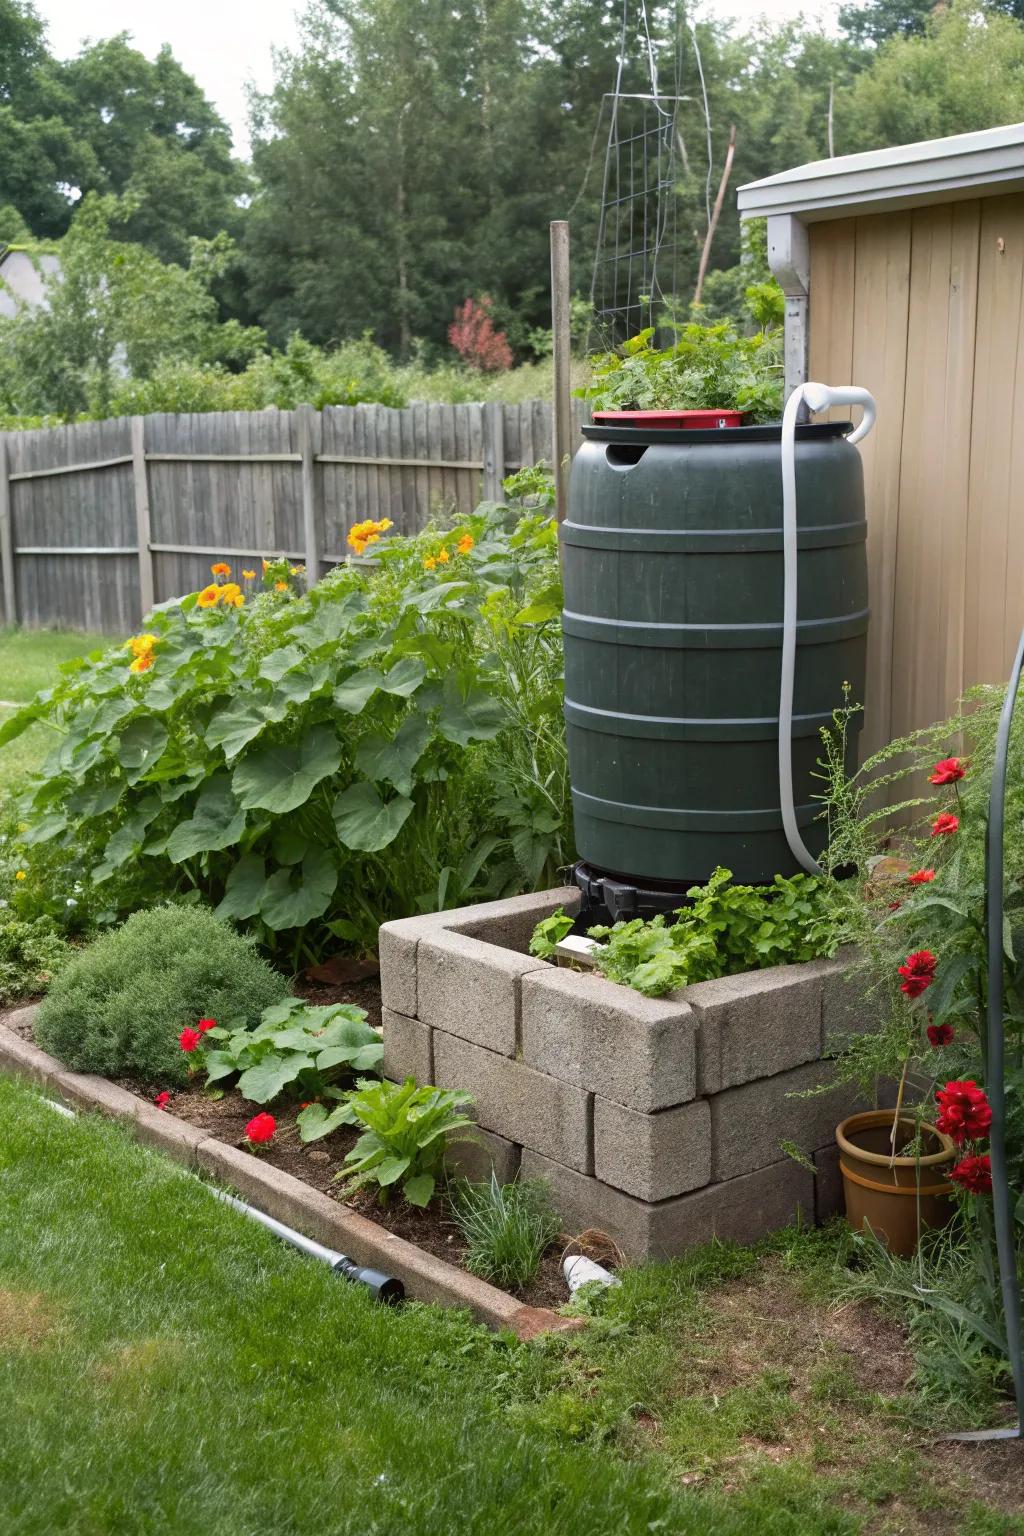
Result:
x=678 y=420
x=629 y=429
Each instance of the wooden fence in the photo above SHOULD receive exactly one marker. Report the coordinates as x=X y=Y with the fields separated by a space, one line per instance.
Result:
x=100 y=520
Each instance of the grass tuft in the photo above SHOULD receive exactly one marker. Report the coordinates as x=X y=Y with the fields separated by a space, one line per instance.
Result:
x=507 y=1227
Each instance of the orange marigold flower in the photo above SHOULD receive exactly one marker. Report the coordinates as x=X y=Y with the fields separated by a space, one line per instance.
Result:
x=280 y=586
x=209 y=597
x=443 y=555
x=142 y=663
x=248 y=575
x=220 y=569
x=465 y=544
x=430 y=564
x=141 y=645
x=266 y=566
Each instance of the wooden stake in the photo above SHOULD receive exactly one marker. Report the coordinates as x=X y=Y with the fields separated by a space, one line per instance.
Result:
x=561 y=415
x=715 y=213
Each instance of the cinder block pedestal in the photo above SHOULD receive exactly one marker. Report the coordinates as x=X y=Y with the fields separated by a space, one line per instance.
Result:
x=659 y=1120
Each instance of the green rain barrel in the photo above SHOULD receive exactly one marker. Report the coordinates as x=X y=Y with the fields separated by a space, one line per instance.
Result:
x=673 y=572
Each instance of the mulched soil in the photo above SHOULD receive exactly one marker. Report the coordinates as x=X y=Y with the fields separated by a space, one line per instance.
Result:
x=319 y=1164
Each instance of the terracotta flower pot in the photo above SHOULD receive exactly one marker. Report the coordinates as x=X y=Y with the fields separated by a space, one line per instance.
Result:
x=896 y=1197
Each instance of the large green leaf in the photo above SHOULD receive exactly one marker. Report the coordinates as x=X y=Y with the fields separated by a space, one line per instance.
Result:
x=443 y=595
x=127 y=841
x=405 y=676
x=244 y=888
x=236 y=724
x=477 y=717
x=263 y=1082
x=139 y=745
x=355 y=692
x=279 y=662
x=293 y=897
x=282 y=778
x=378 y=758
x=297 y=686
x=13 y=727
x=217 y=821
x=367 y=823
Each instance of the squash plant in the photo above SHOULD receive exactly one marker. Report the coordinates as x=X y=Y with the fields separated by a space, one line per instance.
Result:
x=295 y=1046
x=704 y=367
x=311 y=764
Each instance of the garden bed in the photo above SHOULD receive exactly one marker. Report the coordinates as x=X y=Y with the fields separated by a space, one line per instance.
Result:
x=296 y=1184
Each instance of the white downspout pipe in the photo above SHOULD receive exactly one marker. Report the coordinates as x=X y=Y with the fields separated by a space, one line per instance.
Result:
x=816 y=397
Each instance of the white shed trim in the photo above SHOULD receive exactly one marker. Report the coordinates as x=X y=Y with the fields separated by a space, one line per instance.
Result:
x=934 y=171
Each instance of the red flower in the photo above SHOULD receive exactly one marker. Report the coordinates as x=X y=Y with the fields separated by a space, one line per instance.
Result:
x=921 y=877
x=973 y=1174
x=161 y=1099
x=260 y=1128
x=205 y=1024
x=918 y=972
x=940 y=1034
x=189 y=1039
x=947 y=772
x=965 y=1111
x=945 y=823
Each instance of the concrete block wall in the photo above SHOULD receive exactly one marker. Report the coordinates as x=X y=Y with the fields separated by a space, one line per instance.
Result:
x=659 y=1120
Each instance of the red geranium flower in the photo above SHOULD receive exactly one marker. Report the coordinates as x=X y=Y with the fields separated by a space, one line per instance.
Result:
x=940 y=1034
x=260 y=1128
x=921 y=877
x=947 y=772
x=965 y=1111
x=918 y=972
x=161 y=1099
x=945 y=823
x=189 y=1039
x=205 y=1024
x=974 y=1174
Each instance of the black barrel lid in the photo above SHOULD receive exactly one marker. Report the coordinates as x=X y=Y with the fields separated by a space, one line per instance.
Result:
x=605 y=432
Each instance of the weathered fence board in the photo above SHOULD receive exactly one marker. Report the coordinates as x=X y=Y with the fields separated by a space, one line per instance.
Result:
x=98 y=518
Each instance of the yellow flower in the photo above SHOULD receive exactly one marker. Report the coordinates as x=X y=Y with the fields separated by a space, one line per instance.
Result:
x=442 y=555
x=20 y=875
x=429 y=563
x=297 y=570
x=367 y=532
x=209 y=597
x=229 y=591
x=465 y=544
x=280 y=586
x=220 y=569
x=266 y=566
x=249 y=575
x=142 y=663
x=141 y=645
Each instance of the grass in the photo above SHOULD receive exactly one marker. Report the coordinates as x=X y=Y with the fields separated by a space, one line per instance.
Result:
x=507 y=1227
x=28 y=662
x=168 y=1367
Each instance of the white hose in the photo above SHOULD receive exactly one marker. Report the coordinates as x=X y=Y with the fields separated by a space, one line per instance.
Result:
x=818 y=397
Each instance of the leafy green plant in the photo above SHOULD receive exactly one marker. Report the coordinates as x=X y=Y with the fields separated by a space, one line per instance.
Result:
x=120 y=1005
x=549 y=933
x=710 y=367
x=726 y=929
x=507 y=1227
x=314 y=763
x=294 y=1046
x=405 y=1132
x=32 y=953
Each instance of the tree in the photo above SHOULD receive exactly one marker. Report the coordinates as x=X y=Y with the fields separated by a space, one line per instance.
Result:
x=876 y=21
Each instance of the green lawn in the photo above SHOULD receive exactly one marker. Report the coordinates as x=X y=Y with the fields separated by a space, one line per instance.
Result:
x=28 y=662
x=167 y=1367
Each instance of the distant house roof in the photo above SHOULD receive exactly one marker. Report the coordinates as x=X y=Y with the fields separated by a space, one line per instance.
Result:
x=23 y=274
x=934 y=171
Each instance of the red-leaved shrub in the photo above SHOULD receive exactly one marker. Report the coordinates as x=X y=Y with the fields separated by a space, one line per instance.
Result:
x=475 y=339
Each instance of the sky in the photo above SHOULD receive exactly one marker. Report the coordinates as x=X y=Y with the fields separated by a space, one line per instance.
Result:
x=226 y=44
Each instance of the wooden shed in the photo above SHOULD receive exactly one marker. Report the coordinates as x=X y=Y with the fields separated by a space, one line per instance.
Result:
x=904 y=272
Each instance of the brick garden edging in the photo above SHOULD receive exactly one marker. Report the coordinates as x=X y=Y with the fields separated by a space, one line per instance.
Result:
x=659 y=1120
x=280 y=1194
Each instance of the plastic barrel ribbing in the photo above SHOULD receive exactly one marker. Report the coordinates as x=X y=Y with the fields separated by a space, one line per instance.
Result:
x=673 y=574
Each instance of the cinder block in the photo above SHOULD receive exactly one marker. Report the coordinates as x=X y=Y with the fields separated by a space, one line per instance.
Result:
x=755 y=1024
x=483 y=1155
x=408 y=1051
x=396 y=947
x=518 y=1103
x=510 y=923
x=471 y=989
x=829 y=1200
x=741 y=1210
x=847 y=1006
x=652 y=1156
x=750 y=1123
x=639 y=1051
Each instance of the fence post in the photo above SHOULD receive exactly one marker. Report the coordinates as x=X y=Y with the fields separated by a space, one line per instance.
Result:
x=310 y=530
x=494 y=449
x=143 y=535
x=561 y=422
x=7 y=540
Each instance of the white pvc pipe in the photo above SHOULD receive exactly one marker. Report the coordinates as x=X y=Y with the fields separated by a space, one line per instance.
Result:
x=817 y=397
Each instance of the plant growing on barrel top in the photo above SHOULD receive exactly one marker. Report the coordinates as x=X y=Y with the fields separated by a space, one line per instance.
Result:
x=706 y=366
x=387 y=743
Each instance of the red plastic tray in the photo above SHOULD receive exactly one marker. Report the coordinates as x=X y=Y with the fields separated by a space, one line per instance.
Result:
x=677 y=419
